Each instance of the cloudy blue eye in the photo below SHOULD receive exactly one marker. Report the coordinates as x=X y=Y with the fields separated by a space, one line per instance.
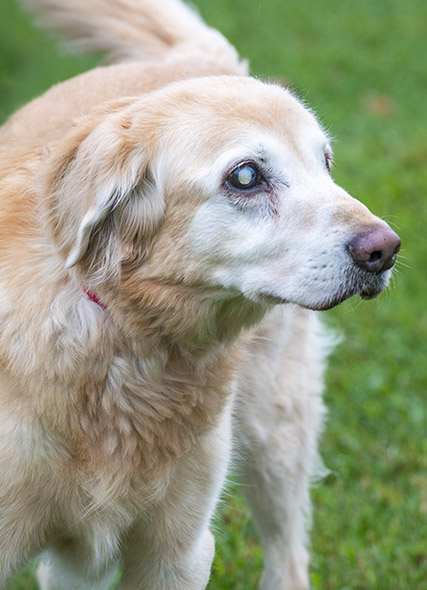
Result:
x=244 y=177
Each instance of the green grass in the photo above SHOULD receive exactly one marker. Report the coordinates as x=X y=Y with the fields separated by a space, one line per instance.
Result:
x=361 y=66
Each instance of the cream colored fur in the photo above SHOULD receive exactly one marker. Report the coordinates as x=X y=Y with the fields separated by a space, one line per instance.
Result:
x=116 y=420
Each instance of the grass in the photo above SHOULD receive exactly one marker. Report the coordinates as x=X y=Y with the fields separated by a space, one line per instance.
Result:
x=361 y=66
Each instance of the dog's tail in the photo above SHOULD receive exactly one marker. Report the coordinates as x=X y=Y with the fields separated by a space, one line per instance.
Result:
x=134 y=29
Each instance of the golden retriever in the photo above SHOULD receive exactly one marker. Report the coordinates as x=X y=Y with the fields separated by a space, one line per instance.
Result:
x=154 y=214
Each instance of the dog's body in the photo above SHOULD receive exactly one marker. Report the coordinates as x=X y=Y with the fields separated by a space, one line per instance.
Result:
x=152 y=213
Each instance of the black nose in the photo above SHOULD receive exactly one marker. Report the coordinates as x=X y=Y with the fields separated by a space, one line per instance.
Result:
x=375 y=249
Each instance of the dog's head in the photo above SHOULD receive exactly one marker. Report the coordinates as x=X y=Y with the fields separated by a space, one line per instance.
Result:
x=217 y=183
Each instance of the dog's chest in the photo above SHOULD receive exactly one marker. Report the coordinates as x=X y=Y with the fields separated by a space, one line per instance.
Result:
x=149 y=412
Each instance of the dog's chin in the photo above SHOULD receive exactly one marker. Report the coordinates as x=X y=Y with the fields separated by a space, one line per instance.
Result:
x=371 y=291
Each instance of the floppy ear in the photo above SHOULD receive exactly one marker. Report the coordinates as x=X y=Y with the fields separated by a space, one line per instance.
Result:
x=103 y=206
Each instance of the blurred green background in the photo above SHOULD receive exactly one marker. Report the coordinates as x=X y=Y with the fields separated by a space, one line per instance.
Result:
x=362 y=66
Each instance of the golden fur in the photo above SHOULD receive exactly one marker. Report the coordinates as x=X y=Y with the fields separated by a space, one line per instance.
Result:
x=115 y=427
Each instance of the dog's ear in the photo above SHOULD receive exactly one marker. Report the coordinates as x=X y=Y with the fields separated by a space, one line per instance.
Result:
x=103 y=205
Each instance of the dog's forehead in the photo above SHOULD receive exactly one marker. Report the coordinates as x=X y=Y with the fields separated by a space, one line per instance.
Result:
x=221 y=111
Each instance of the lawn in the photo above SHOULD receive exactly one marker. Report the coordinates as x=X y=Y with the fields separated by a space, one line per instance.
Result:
x=362 y=67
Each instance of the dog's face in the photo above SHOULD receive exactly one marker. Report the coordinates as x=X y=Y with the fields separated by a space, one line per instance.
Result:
x=222 y=183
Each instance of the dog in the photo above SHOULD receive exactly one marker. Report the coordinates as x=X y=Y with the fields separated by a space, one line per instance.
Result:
x=169 y=227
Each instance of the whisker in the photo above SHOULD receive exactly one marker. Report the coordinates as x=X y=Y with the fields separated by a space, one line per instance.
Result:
x=400 y=263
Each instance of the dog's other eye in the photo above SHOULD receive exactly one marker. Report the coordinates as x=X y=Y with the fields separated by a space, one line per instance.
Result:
x=244 y=177
x=328 y=160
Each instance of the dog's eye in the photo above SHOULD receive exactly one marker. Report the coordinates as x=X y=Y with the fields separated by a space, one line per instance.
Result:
x=328 y=160
x=244 y=177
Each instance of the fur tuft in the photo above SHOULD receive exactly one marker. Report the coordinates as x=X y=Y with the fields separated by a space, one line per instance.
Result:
x=128 y=30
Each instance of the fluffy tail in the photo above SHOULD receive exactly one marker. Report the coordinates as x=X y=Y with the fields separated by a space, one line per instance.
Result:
x=133 y=29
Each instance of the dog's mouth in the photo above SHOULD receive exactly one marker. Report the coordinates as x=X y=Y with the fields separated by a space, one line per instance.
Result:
x=366 y=285
x=355 y=282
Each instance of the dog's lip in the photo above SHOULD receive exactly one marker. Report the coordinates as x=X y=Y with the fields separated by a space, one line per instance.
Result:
x=366 y=291
x=340 y=298
x=367 y=287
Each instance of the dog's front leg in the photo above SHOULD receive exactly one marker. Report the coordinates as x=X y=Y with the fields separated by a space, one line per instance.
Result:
x=171 y=547
x=278 y=416
x=61 y=569
x=174 y=564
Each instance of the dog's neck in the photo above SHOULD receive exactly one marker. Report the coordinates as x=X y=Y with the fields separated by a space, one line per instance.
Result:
x=193 y=320
x=94 y=297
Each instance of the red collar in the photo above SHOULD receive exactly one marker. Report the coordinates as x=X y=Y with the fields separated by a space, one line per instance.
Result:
x=94 y=297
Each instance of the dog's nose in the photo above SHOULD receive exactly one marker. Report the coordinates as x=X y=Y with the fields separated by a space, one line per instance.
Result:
x=375 y=250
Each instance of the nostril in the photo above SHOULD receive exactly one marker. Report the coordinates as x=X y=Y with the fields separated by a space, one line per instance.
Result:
x=375 y=256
